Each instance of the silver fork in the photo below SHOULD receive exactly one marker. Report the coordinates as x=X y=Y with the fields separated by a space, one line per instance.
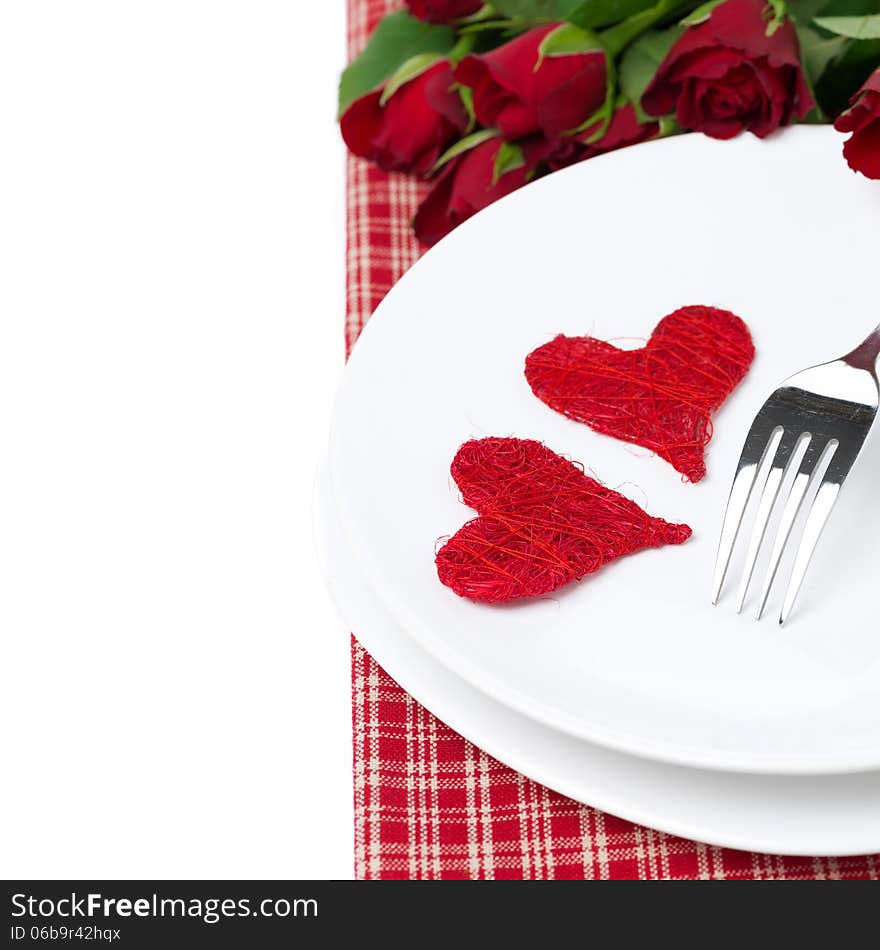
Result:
x=799 y=451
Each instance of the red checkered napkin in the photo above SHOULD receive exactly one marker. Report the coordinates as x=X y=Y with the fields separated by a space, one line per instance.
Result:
x=429 y=804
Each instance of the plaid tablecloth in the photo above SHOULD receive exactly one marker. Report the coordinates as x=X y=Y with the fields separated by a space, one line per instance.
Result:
x=429 y=804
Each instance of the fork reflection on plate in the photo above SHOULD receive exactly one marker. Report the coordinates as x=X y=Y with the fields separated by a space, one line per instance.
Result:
x=797 y=455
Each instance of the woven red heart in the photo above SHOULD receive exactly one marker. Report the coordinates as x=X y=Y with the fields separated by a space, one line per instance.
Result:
x=542 y=523
x=660 y=396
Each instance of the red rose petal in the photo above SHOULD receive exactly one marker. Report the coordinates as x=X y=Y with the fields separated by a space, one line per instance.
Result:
x=862 y=151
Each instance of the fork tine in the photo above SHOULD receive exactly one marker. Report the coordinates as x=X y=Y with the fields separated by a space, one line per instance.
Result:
x=736 y=508
x=740 y=495
x=789 y=516
x=785 y=458
x=823 y=504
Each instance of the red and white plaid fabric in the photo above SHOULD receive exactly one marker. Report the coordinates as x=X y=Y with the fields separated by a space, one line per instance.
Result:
x=429 y=804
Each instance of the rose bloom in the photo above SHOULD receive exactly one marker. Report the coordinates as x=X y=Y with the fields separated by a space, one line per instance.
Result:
x=725 y=75
x=411 y=131
x=465 y=186
x=443 y=11
x=511 y=94
x=862 y=149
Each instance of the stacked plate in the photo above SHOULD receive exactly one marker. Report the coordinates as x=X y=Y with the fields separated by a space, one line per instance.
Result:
x=627 y=691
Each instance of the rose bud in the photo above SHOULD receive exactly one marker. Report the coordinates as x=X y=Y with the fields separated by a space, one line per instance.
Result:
x=411 y=130
x=862 y=149
x=443 y=11
x=623 y=129
x=726 y=75
x=465 y=186
x=522 y=93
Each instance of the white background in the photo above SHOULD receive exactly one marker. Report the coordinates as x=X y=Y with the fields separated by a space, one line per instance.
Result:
x=175 y=684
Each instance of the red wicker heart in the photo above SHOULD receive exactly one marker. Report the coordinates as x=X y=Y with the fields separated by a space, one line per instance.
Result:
x=660 y=396
x=542 y=523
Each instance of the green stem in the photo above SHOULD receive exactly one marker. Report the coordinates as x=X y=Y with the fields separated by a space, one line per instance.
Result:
x=484 y=13
x=617 y=38
x=465 y=45
x=512 y=24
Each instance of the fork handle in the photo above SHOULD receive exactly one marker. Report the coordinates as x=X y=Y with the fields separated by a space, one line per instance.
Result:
x=867 y=355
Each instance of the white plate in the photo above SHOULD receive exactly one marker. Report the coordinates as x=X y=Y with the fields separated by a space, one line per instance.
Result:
x=634 y=657
x=817 y=815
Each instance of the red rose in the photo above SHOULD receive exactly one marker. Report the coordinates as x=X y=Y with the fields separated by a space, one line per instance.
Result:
x=519 y=97
x=412 y=129
x=443 y=11
x=862 y=149
x=623 y=129
x=464 y=187
x=726 y=75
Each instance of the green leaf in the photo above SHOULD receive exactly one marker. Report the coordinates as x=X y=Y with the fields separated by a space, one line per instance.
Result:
x=817 y=51
x=594 y=14
x=847 y=7
x=855 y=27
x=531 y=9
x=803 y=11
x=567 y=39
x=465 y=145
x=509 y=158
x=642 y=60
x=413 y=67
x=588 y=14
x=846 y=73
x=398 y=38
x=701 y=14
x=568 y=7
